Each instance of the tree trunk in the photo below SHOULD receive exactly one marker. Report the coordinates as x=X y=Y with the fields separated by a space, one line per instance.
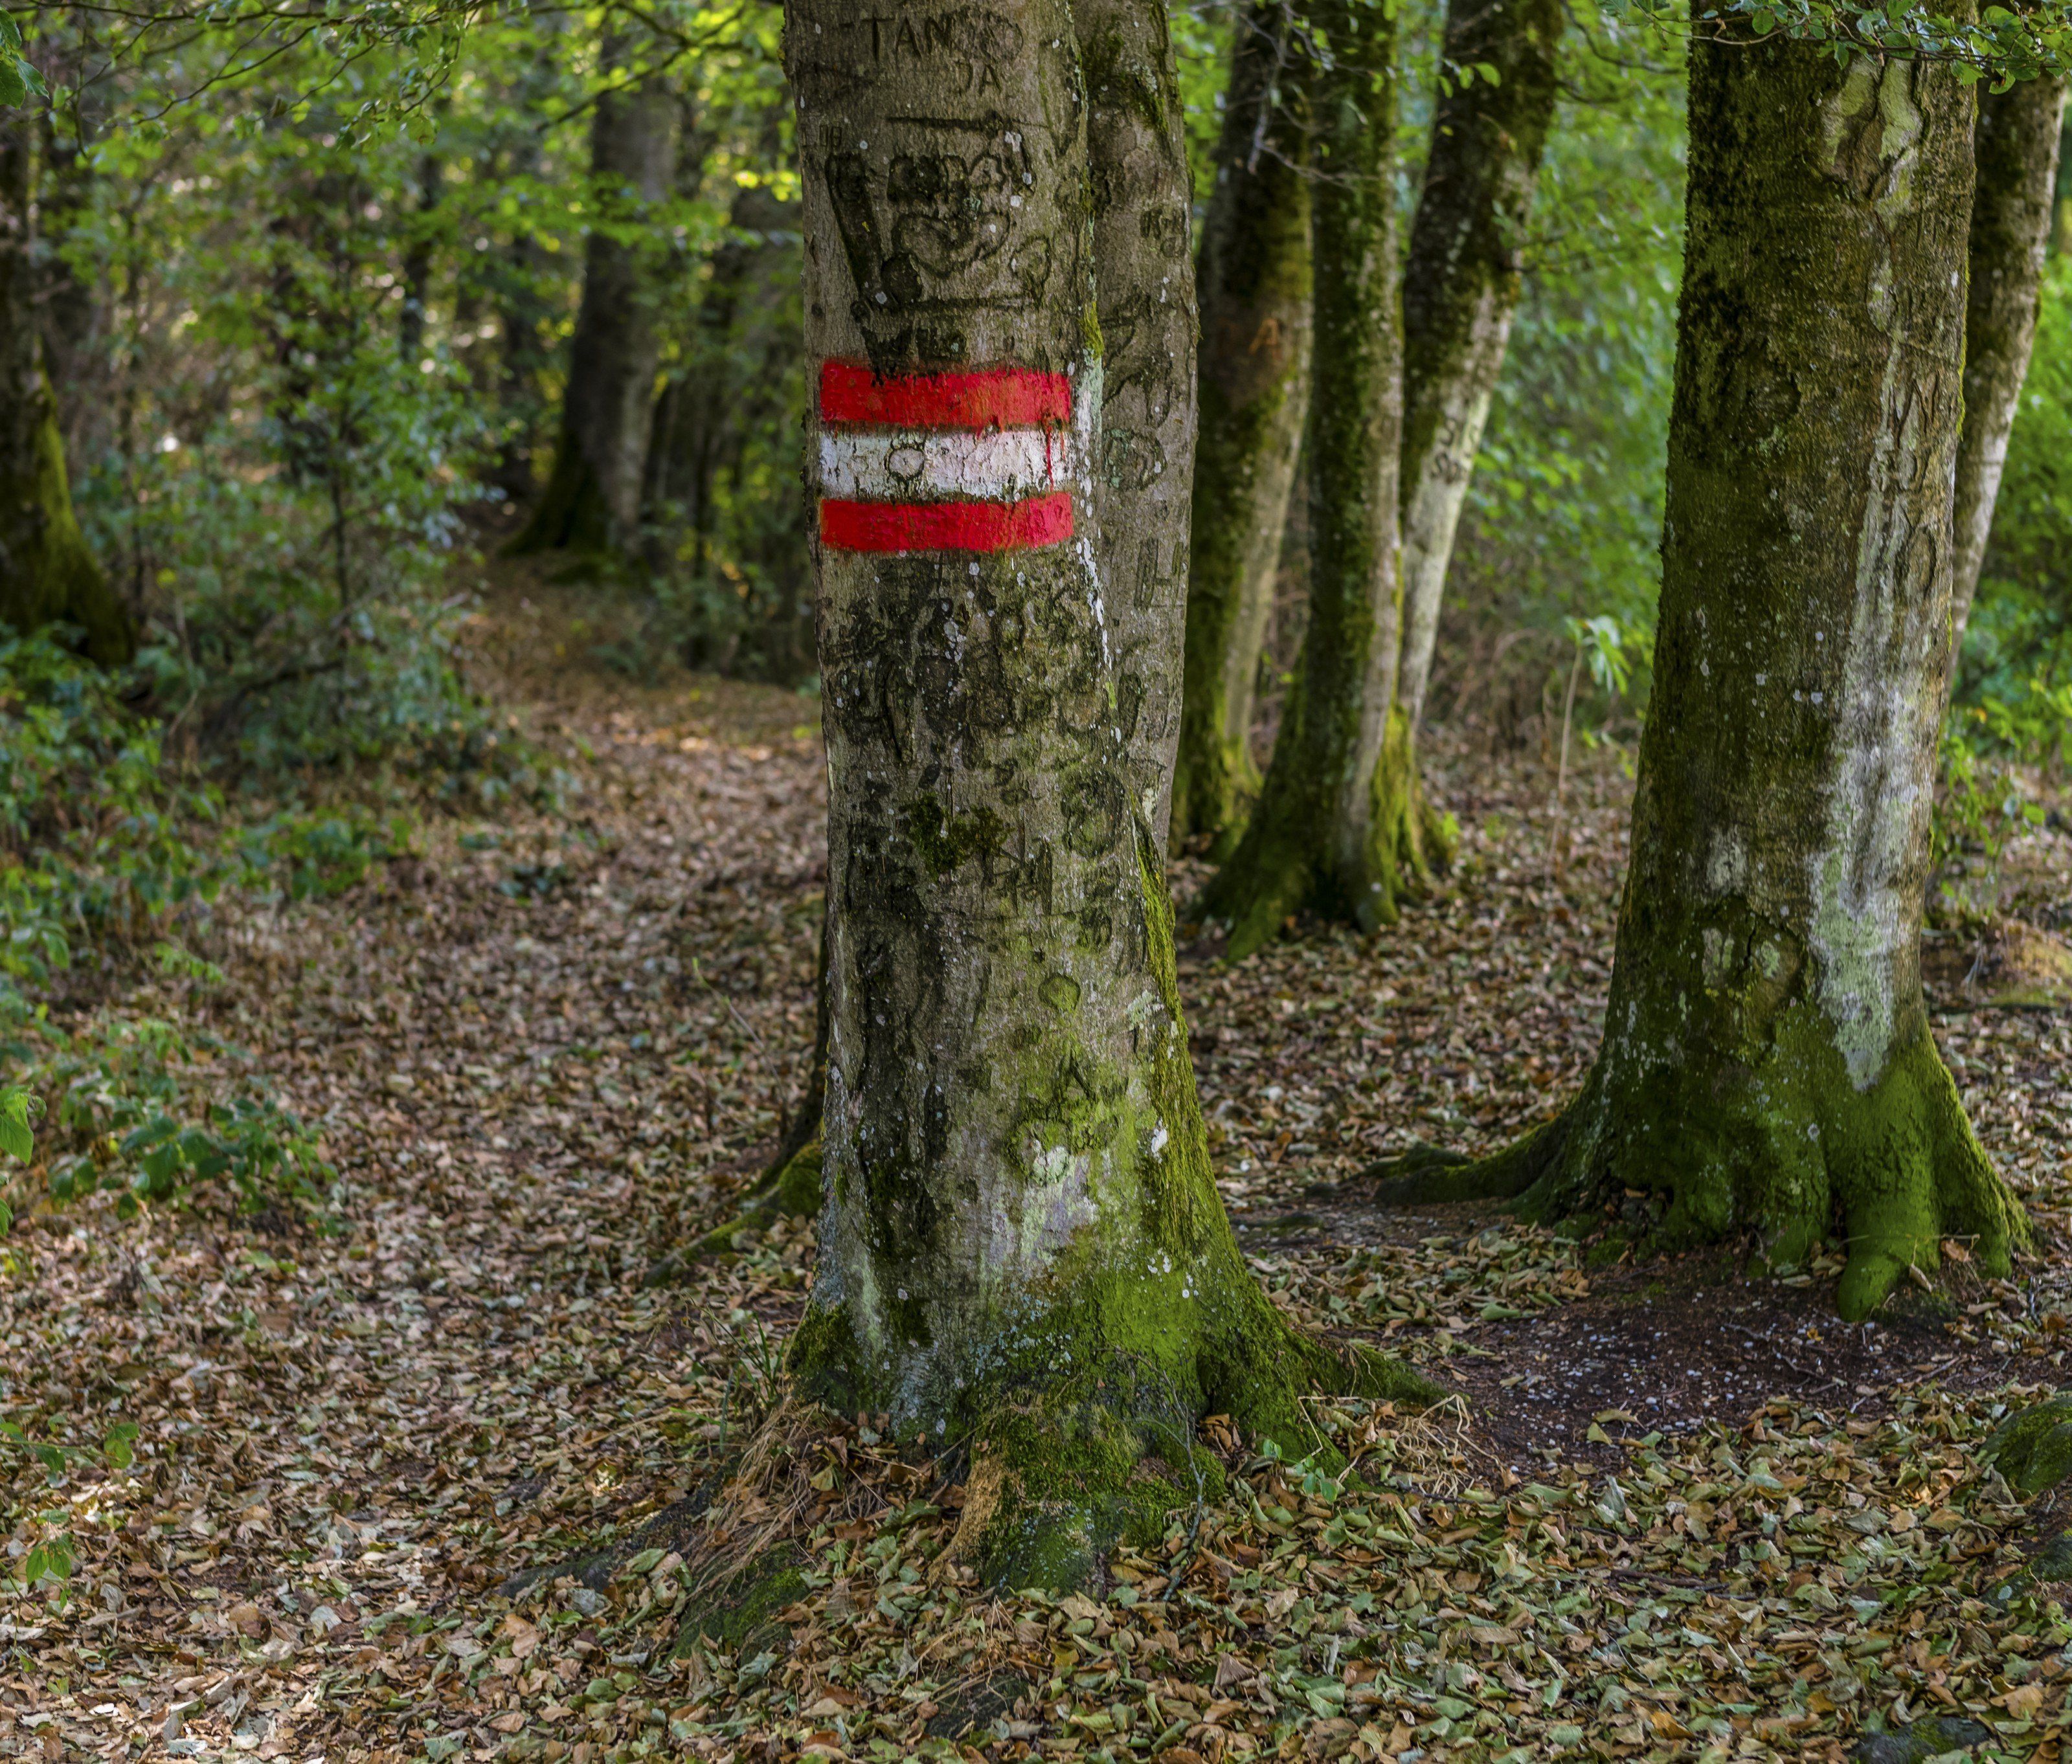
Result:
x=418 y=253
x=47 y=575
x=1021 y=1244
x=1767 y=1066
x=1144 y=277
x=1460 y=287
x=2018 y=134
x=592 y=500
x=1253 y=389
x=1332 y=829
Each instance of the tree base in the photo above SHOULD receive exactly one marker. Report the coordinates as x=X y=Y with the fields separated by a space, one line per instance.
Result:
x=1066 y=1464
x=1794 y=1153
x=571 y=515
x=1212 y=798
x=1283 y=865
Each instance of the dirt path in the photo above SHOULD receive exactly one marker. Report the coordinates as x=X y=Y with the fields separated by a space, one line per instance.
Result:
x=543 y=1049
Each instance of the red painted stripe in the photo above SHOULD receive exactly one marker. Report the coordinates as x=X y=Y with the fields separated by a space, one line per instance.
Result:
x=947 y=527
x=983 y=398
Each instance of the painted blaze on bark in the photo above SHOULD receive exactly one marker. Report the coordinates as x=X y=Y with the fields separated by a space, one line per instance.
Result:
x=1020 y=1242
x=1767 y=1064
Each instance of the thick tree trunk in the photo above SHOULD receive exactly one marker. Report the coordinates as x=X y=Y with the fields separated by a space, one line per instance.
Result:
x=2018 y=134
x=1253 y=384
x=1022 y=1243
x=592 y=500
x=1767 y=1066
x=1460 y=287
x=1333 y=831
x=47 y=575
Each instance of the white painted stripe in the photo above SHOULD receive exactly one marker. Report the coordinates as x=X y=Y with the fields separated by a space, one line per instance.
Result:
x=997 y=466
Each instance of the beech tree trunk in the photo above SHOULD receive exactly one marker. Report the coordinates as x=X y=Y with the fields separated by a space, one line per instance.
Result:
x=1021 y=1242
x=1253 y=386
x=1767 y=1066
x=1144 y=281
x=1334 y=829
x=1460 y=287
x=2017 y=142
x=592 y=500
x=47 y=575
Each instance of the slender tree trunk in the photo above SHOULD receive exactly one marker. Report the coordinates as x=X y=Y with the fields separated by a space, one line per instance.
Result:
x=1767 y=1066
x=1021 y=1244
x=418 y=256
x=1460 y=287
x=2018 y=134
x=1144 y=276
x=46 y=574
x=592 y=500
x=1331 y=829
x=1253 y=386
x=74 y=308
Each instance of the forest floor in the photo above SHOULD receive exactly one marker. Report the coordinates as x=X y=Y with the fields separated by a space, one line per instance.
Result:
x=438 y=1477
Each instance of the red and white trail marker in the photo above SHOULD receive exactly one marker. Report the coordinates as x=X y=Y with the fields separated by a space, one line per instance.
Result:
x=977 y=459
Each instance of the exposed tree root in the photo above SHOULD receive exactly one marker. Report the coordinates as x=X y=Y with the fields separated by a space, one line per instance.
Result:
x=1793 y=1153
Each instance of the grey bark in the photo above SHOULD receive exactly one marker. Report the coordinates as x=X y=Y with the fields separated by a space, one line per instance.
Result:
x=1144 y=276
x=2017 y=144
x=1460 y=286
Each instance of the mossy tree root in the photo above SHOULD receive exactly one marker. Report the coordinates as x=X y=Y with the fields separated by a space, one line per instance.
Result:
x=1791 y=1153
x=1073 y=1452
x=791 y=1189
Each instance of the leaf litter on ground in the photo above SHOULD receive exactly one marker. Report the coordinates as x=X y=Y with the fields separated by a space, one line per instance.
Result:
x=444 y=1479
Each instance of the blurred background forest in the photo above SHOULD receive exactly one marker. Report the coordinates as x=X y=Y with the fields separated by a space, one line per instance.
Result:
x=306 y=295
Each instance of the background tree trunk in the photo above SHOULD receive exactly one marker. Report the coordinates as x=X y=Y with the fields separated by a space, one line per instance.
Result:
x=1021 y=1242
x=2018 y=134
x=1253 y=393
x=47 y=573
x=418 y=254
x=1460 y=287
x=1334 y=829
x=592 y=500
x=1767 y=1064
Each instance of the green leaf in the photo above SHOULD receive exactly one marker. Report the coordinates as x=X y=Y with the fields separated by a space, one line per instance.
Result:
x=15 y=1137
x=1487 y=72
x=14 y=87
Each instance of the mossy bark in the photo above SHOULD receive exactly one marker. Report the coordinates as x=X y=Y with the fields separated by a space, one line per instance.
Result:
x=1253 y=385
x=47 y=574
x=2017 y=145
x=1767 y=1068
x=592 y=498
x=1334 y=829
x=1023 y=1246
x=1460 y=284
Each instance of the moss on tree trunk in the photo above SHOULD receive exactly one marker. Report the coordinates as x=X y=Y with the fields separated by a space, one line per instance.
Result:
x=47 y=574
x=592 y=498
x=1460 y=284
x=1336 y=830
x=2017 y=144
x=1022 y=1245
x=1767 y=1068
x=1253 y=391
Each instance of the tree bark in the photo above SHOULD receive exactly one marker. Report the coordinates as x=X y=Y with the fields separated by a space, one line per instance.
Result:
x=2018 y=134
x=1767 y=1066
x=1460 y=287
x=1021 y=1244
x=1144 y=279
x=1333 y=831
x=417 y=256
x=1252 y=392
x=592 y=500
x=47 y=575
